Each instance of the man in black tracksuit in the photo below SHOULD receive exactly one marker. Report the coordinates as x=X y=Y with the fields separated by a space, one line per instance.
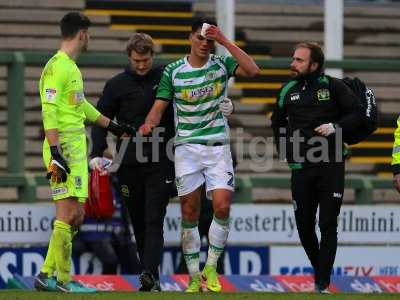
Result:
x=145 y=186
x=312 y=109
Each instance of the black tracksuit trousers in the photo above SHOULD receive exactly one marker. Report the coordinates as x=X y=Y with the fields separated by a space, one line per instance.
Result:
x=146 y=189
x=322 y=186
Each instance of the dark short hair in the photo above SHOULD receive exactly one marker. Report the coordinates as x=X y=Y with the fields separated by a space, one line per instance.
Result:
x=198 y=23
x=141 y=43
x=316 y=53
x=72 y=22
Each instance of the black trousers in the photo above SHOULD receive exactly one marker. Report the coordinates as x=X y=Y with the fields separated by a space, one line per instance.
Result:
x=321 y=186
x=145 y=189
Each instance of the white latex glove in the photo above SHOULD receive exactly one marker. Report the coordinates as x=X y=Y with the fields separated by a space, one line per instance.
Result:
x=226 y=107
x=325 y=129
x=100 y=164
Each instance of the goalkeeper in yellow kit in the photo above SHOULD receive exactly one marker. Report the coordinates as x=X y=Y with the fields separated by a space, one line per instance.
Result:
x=64 y=112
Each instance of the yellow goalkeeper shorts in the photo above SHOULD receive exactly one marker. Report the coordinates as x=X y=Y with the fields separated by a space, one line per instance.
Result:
x=74 y=151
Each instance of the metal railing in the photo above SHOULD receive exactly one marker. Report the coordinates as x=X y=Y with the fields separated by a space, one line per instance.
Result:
x=17 y=61
x=363 y=186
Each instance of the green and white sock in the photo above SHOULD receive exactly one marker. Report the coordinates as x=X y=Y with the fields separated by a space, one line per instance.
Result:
x=191 y=247
x=217 y=237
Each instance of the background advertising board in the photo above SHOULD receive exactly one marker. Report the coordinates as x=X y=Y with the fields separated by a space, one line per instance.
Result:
x=237 y=260
x=251 y=224
x=26 y=223
x=27 y=261
x=350 y=261
x=263 y=224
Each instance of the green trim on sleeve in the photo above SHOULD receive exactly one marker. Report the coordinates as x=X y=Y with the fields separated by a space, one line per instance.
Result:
x=295 y=166
x=323 y=79
x=165 y=89
x=231 y=65
x=284 y=91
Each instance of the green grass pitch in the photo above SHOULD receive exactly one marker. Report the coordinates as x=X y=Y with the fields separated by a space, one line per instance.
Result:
x=32 y=295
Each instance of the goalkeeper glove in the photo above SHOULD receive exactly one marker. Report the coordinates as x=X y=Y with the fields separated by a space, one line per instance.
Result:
x=58 y=168
x=119 y=129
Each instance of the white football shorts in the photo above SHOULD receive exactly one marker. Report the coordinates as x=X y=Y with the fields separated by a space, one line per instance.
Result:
x=196 y=164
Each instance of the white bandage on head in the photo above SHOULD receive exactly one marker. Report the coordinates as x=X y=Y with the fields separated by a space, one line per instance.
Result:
x=204 y=29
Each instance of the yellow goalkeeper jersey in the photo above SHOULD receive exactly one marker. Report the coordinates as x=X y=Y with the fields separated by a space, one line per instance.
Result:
x=64 y=106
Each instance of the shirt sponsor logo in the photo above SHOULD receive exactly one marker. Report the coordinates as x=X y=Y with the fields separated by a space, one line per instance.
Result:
x=294 y=97
x=230 y=180
x=50 y=94
x=211 y=75
x=124 y=190
x=78 y=181
x=337 y=195
x=323 y=95
x=59 y=191
x=203 y=91
x=369 y=95
x=212 y=90
x=178 y=182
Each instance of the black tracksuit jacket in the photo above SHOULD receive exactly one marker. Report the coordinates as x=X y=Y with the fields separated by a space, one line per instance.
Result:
x=129 y=97
x=306 y=103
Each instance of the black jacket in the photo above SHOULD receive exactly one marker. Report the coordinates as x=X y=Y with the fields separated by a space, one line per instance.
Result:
x=303 y=105
x=129 y=97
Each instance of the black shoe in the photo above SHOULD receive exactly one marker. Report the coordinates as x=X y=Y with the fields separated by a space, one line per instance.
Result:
x=147 y=281
x=156 y=287
x=45 y=283
x=322 y=288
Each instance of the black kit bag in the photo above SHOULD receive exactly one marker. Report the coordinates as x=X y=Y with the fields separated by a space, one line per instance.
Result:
x=369 y=112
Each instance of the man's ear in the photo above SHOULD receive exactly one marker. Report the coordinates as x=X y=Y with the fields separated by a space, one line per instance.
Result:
x=82 y=33
x=314 y=66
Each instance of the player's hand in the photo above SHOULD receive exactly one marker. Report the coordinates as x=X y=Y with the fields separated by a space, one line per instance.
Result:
x=100 y=164
x=214 y=33
x=146 y=129
x=226 y=107
x=325 y=129
x=396 y=182
x=58 y=168
x=121 y=130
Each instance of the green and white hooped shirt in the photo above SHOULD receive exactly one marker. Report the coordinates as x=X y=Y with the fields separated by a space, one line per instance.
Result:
x=196 y=94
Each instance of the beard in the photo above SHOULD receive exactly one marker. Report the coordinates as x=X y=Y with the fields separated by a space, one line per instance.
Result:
x=300 y=75
x=293 y=73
